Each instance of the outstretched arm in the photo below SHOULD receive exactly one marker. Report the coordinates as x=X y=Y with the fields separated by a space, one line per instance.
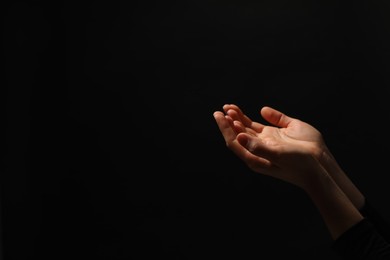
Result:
x=299 y=130
x=289 y=150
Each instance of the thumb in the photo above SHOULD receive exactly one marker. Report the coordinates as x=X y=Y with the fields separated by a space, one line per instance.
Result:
x=275 y=117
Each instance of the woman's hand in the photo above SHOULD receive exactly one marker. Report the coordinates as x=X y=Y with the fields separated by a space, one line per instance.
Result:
x=287 y=149
x=262 y=147
x=291 y=150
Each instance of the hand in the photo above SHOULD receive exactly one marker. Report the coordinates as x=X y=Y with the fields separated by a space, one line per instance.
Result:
x=287 y=149
x=286 y=126
x=294 y=151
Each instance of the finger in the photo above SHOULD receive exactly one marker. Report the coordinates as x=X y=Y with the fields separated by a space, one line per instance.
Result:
x=225 y=127
x=275 y=117
x=257 y=147
x=236 y=113
x=238 y=125
x=229 y=134
x=253 y=157
x=240 y=128
x=255 y=162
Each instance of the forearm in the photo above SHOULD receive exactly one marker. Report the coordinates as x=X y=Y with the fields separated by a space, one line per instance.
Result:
x=341 y=179
x=336 y=209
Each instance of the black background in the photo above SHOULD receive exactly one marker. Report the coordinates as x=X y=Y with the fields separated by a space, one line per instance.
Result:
x=111 y=148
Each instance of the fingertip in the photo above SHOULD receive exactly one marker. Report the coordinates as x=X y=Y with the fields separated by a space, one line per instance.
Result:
x=217 y=114
x=243 y=139
x=265 y=109
x=230 y=106
x=269 y=112
x=230 y=112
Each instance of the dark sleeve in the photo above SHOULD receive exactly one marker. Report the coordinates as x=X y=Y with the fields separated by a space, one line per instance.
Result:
x=367 y=240
x=381 y=224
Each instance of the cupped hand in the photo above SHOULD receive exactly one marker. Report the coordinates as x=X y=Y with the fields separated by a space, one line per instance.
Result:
x=288 y=126
x=286 y=149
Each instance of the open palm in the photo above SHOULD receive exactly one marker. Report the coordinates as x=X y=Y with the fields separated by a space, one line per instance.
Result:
x=281 y=127
x=288 y=148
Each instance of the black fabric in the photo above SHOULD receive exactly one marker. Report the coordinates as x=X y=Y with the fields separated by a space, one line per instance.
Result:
x=367 y=240
x=381 y=224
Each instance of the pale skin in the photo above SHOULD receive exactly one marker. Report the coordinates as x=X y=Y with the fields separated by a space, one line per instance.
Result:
x=294 y=151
